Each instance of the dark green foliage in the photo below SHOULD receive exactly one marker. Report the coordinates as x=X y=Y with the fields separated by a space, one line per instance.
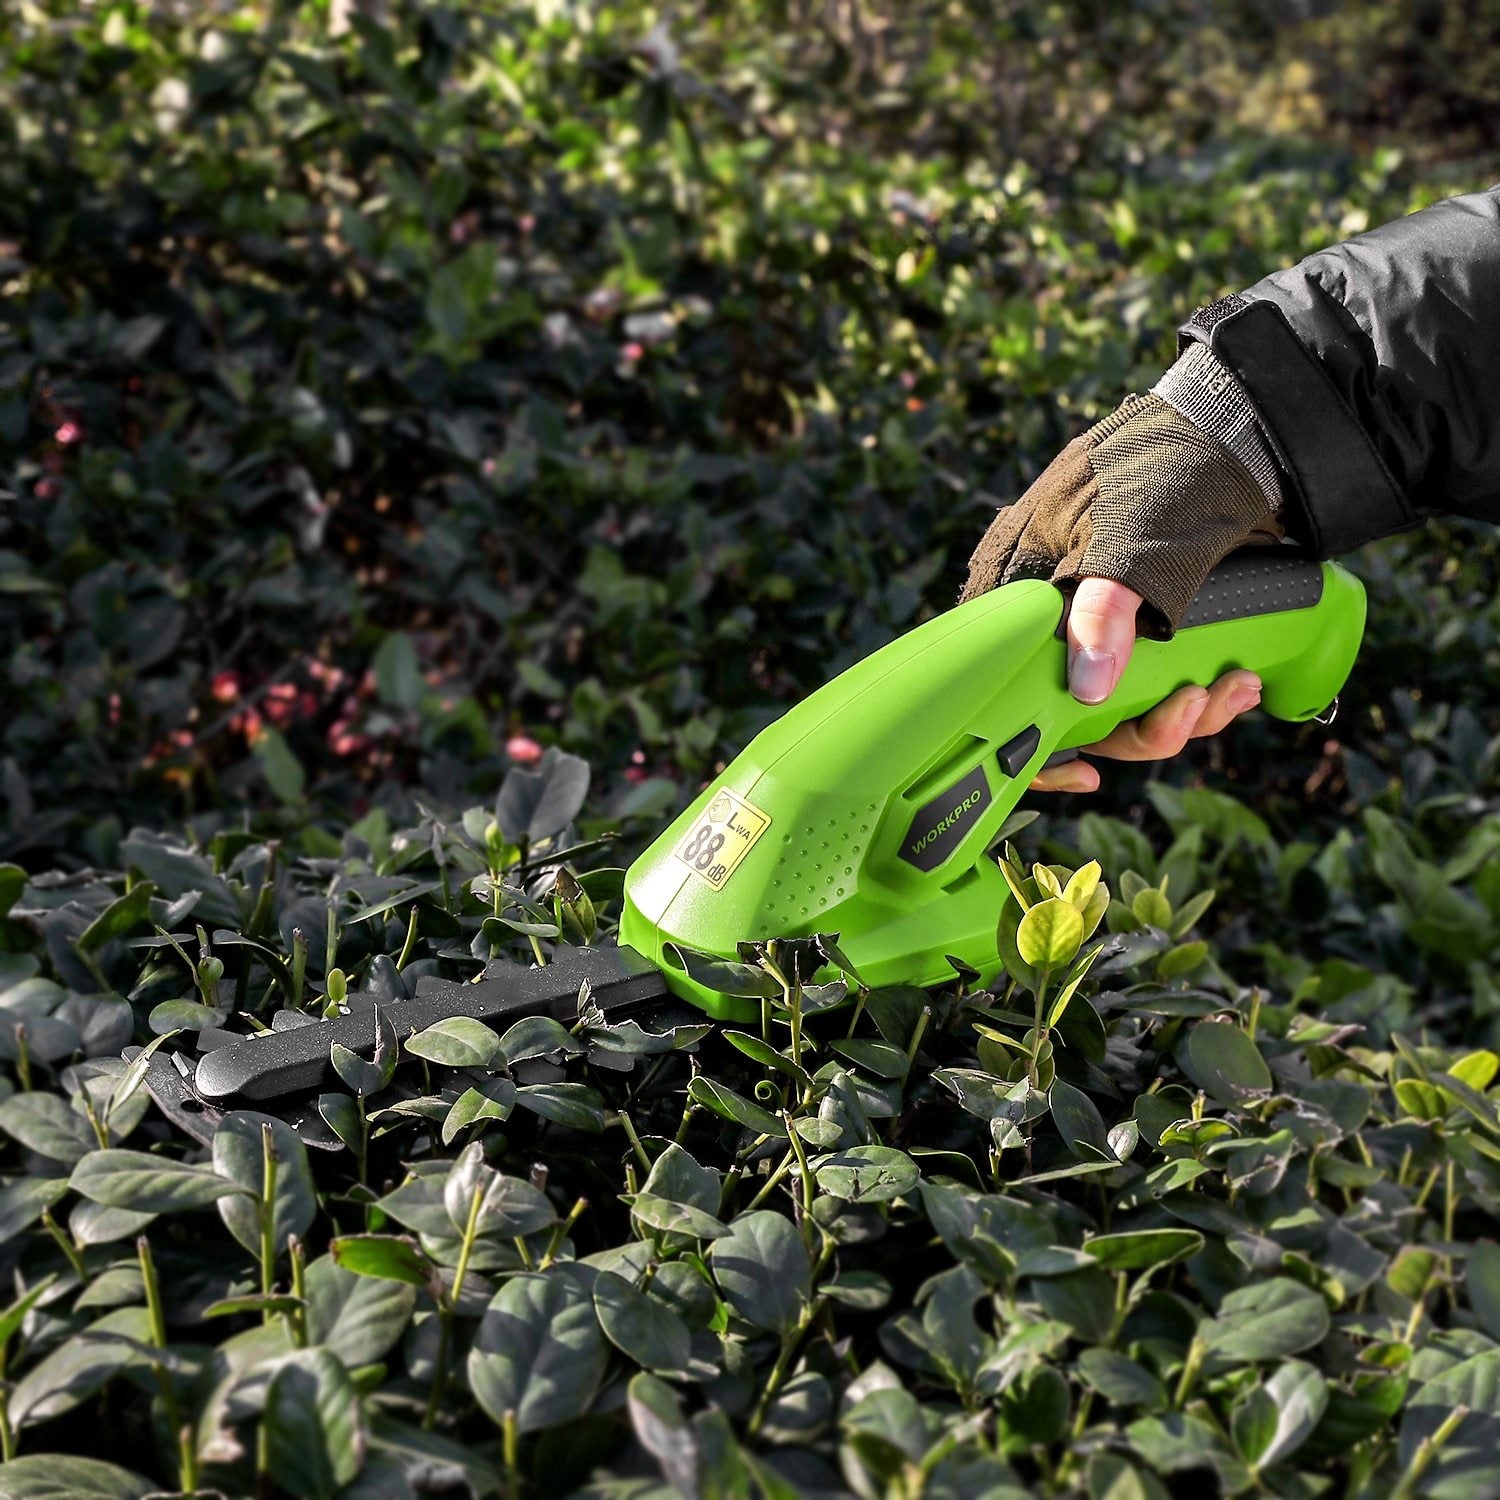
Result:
x=1128 y=1214
x=367 y=402
x=379 y=411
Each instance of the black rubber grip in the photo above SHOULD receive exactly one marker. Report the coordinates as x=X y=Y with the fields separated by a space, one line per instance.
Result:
x=1256 y=581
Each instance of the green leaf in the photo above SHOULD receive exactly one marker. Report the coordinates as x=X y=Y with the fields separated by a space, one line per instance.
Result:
x=281 y=768
x=360 y=1318
x=239 y=1155
x=668 y=1217
x=491 y=1100
x=537 y=1036
x=82 y=1364
x=22 y=1202
x=1120 y=1379
x=368 y=1076
x=867 y=1174
x=767 y=1055
x=315 y=1435
x=1223 y=1061
x=388 y=1257
x=254 y=1302
x=761 y=1267
x=1482 y=1284
x=1082 y=884
x=728 y=1105
x=676 y=1176
x=133 y=1075
x=398 y=673
x=1275 y=1419
x=46 y=1124
x=507 y=1207
x=14 y=1315
x=1143 y=1249
x=149 y=1184
x=128 y=911
x=1265 y=1321
x=574 y=1105
x=1078 y=1121
x=1050 y=934
x=539 y=1352
x=1467 y=1465
x=639 y=1327
x=61 y=1476
x=665 y=1433
x=455 y=1042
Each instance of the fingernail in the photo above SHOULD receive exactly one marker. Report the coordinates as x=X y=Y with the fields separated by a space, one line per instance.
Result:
x=1091 y=675
x=1245 y=699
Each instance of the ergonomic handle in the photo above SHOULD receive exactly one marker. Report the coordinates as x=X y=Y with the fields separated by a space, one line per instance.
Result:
x=1276 y=611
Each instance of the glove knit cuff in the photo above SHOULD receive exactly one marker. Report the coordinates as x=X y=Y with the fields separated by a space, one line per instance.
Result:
x=1201 y=387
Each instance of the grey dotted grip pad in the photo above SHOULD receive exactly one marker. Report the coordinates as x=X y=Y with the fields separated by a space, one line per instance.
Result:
x=1256 y=581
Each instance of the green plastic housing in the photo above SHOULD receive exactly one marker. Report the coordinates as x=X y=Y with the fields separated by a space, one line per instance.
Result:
x=885 y=789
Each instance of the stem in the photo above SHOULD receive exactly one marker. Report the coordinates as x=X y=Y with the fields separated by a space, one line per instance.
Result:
x=859 y=1010
x=447 y=1306
x=364 y=1144
x=297 y=1321
x=1254 y=1018
x=510 y=1439
x=807 y=1178
x=411 y=939
x=187 y=1457
x=536 y=948
x=23 y=1056
x=7 y=1437
x=561 y=1232
x=772 y=1181
x=1427 y=1450
x=635 y=1140
x=299 y=967
x=66 y=1245
x=265 y=896
x=267 y=1216
x=789 y=1345
x=1036 y=1030
x=1450 y=1205
x=1190 y=1367
x=918 y=1032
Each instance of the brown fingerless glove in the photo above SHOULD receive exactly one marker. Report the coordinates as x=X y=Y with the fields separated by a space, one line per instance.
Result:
x=1143 y=497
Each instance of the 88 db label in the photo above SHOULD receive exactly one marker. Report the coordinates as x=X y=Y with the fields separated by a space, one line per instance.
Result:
x=721 y=836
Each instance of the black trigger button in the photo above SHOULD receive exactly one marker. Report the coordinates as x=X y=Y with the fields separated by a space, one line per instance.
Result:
x=1016 y=751
x=1059 y=758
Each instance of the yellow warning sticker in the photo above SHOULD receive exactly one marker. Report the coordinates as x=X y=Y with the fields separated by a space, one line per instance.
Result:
x=721 y=837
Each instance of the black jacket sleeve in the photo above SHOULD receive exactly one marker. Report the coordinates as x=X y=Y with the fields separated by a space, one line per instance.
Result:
x=1375 y=369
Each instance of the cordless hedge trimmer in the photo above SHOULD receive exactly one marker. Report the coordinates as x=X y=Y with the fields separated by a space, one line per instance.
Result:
x=868 y=810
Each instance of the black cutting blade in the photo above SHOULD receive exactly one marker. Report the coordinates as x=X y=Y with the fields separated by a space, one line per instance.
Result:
x=275 y=1064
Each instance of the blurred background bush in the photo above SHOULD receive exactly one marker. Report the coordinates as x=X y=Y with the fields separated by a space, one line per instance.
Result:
x=390 y=391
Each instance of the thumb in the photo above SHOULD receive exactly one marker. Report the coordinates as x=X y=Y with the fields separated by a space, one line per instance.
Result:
x=1101 y=635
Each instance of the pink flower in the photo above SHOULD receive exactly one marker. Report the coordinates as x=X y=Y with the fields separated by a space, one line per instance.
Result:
x=69 y=432
x=487 y=468
x=325 y=673
x=523 y=749
x=226 y=686
x=632 y=352
x=46 y=488
x=250 y=724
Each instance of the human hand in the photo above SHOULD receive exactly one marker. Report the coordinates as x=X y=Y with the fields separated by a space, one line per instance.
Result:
x=1101 y=635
